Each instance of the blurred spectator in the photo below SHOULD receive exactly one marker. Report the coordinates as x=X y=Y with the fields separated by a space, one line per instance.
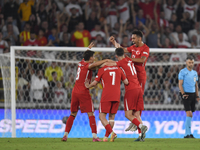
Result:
x=22 y=82
x=52 y=85
x=111 y=13
x=73 y=4
x=147 y=7
x=25 y=35
x=191 y=7
x=170 y=8
x=3 y=44
x=32 y=41
x=97 y=31
x=38 y=85
x=179 y=30
x=173 y=21
x=10 y=34
x=60 y=94
x=1 y=19
x=54 y=68
x=100 y=42
x=74 y=20
x=45 y=26
x=63 y=30
x=81 y=37
x=152 y=38
x=53 y=14
x=34 y=22
x=65 y=41
x=195 y=31
x=42 y=11
x=25 y=10
x=42 y=40
x=53 y=39
x=167 y=43
x=125 y=41
x=194 y=43
x=182 y=43
x=123 y=9
x=139 y=17
x=10 y=10
x=92 y=20
x=186 y=22
x=8 y=21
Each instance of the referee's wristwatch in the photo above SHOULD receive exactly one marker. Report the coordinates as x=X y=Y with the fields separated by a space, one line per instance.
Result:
x=183 y=95
x=197 y=96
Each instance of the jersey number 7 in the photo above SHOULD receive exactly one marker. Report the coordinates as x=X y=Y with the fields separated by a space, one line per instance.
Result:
x=113 y=77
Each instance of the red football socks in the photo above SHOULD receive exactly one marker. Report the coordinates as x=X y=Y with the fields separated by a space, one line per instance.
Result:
x=107 y=134
x=69 y=123
x=93 y=124
x=136 y=122
x=108 y=129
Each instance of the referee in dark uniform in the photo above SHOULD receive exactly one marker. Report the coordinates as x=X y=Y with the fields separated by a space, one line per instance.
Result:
x=188 y=85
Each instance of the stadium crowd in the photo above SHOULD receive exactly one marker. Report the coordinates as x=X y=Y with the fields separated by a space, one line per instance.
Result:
x=165 y=24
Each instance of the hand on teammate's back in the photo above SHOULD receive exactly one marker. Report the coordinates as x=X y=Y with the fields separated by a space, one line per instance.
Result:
x=86 y=83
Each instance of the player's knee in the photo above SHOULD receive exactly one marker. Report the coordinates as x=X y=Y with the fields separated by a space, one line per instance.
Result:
x=90 y=114
x=127 y=115
x=73 y=114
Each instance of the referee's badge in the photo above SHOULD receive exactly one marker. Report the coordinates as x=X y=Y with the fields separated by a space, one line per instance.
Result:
x=195 y=79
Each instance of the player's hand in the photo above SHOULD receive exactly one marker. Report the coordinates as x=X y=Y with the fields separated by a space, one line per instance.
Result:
x=87 y=83
x=185 y=96
x=112 y=39
x=91 y=45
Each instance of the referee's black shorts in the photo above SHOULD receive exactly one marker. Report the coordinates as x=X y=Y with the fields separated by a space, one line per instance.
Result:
x=189 y=103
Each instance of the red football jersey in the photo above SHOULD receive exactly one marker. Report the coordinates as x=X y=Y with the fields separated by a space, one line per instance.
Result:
x=31 y=43
x=110 y=78
x=82 y=73
x=138 y=52
x=127 y=66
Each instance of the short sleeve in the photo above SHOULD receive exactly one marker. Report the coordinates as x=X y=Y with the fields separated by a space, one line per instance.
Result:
x=197 y=77
x=98 y=76
x=123 y=77
x=180 y=75
x=129 y=49
x=145 y=52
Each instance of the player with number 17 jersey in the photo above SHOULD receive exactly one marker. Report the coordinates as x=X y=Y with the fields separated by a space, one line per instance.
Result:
x=133 y=99
x=139 y=52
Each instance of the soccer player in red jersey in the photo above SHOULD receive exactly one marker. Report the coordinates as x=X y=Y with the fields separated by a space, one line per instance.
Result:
x=80 y=94
x=110 y=78
x=139 y=55
x=133 y=98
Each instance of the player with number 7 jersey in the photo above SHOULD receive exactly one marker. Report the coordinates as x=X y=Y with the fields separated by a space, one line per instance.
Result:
x=110 y=78
x=81 y=95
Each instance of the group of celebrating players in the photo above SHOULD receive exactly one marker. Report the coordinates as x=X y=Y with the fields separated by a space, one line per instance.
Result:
x=129 y=70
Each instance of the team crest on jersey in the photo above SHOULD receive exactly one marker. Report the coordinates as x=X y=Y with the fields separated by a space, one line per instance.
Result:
x=138 y=52
x=195 y=79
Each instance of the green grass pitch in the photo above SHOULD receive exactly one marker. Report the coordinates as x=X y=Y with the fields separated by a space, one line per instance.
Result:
x=87 y=144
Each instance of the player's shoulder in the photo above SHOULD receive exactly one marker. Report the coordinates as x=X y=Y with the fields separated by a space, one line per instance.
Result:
x=145 y=47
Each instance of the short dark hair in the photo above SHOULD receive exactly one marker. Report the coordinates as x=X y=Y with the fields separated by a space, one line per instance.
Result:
x=138 y=33
x=87 y=54
x=119 y=51
x=53 y=73
x=190 y=58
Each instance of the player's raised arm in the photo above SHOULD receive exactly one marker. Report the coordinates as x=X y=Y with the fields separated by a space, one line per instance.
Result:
x=117 y=45
x=91 y=45
x=87 y=85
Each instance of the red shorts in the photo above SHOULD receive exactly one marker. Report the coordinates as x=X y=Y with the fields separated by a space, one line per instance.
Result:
x=109 y=107
x=133 y=100
x=142 y=84
x=82 y=100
